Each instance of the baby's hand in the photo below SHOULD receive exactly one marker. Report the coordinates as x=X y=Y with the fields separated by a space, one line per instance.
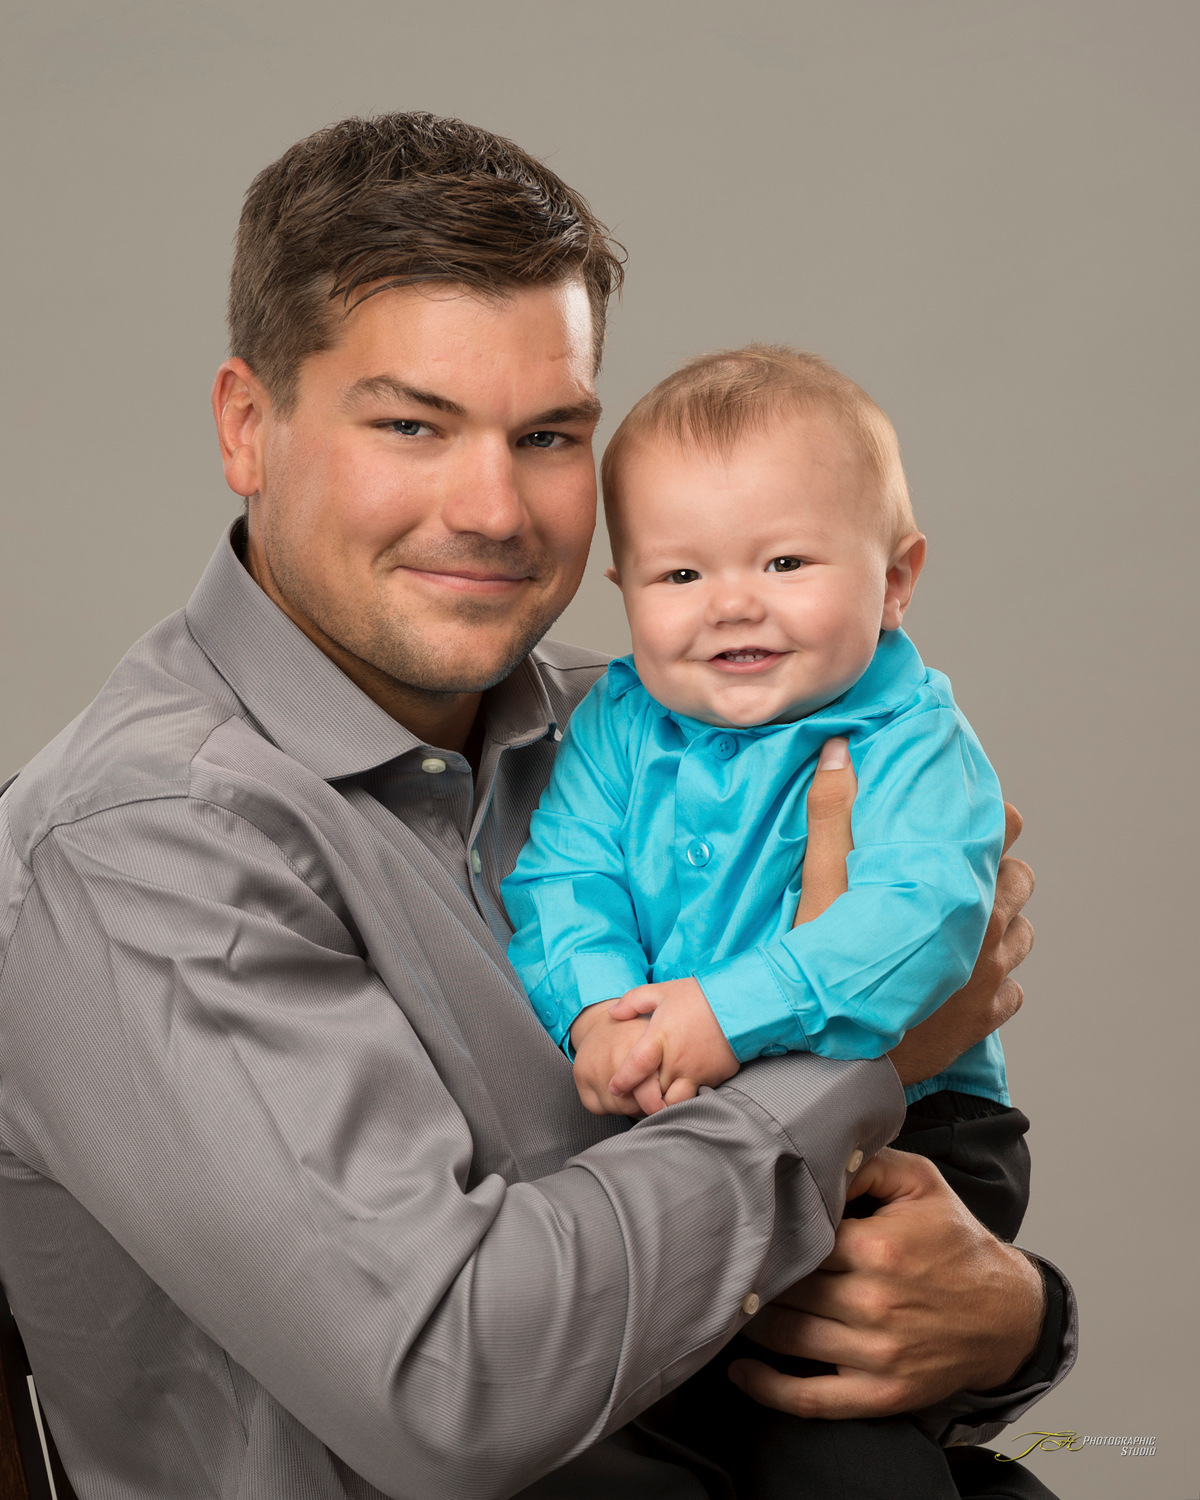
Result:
x=601 y=1045
x=682 y=1048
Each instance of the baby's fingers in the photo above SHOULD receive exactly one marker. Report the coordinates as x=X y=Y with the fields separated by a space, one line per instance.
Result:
x=681 y=1089
x=643 y=1059
x=648 y=1095
x=634 y=1003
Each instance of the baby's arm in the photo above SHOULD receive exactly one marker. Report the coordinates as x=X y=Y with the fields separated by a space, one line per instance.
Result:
x=577 y=940
x=903 y=936
x=684 y=1047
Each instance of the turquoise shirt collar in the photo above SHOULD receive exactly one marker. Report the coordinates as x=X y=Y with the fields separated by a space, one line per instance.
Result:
x=895 y=673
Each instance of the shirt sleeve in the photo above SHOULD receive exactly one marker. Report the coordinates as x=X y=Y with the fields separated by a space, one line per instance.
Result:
x=928 y=828
x=197 y=1048
x=576 y=937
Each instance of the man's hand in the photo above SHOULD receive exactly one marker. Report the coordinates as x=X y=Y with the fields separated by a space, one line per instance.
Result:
x=991 y=996
x=914 y=1303
x=601 y=1045
x=682 y=1048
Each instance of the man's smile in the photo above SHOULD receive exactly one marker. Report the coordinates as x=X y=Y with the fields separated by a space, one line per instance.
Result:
x=469 y=581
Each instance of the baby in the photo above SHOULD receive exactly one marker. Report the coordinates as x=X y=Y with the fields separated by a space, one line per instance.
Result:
x=765 y=546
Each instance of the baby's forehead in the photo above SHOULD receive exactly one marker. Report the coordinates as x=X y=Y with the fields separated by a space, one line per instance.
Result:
x=799 y=428
x=799 y=474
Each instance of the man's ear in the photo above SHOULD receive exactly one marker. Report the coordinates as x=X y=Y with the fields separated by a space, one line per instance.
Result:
x=908 y=558
x=613 y=576
x=240 y=405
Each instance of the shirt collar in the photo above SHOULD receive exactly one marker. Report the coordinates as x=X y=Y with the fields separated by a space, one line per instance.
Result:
x=306 y=704
x=894 y=674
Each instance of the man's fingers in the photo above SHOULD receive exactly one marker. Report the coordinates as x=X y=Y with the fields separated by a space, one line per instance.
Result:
x=852 y=1394
x=830 y=806
x=891 y=1176
x=814 y=1336
x=1018 y=941
x=1013 y=823
x=1014 y=886
x=1009 y=999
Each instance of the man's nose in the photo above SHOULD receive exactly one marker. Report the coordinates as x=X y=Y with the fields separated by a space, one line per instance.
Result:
x=483 y=494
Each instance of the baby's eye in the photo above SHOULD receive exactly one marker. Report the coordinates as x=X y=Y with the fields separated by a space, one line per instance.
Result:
x=683 y=575
x=784 y=564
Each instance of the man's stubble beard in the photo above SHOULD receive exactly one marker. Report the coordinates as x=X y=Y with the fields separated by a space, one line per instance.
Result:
x=388 y=642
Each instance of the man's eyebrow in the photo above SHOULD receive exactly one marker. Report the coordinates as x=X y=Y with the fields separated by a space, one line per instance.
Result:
x=587 y=410
x=388 y=385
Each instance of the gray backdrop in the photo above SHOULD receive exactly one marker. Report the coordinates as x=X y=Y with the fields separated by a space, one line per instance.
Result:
x=984 y=212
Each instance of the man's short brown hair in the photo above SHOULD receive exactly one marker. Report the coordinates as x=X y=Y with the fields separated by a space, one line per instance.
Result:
x=390 y=201
x=716 y=400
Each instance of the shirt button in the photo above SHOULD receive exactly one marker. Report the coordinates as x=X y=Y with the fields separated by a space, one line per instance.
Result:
x=698 y=852
x=774 y=1051
x=856 y=1161
x=725 y=747
x=476 y=862
x=750 y=1304
x=433 y=765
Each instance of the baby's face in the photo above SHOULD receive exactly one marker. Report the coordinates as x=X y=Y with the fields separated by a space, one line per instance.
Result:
x=756 y=585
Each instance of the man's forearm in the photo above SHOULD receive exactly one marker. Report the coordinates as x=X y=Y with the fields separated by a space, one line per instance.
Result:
x=286 y=1164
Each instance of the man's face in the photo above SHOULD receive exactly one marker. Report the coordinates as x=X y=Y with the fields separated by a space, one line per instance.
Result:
x=756 y=583
x=427 y=505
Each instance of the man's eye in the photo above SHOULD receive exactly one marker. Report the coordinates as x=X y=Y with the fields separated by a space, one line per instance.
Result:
x=683 y=575
x=784 y=564
x=407 y=428
x=541 y=439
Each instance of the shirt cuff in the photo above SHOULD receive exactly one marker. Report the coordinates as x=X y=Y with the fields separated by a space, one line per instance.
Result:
x=976 y=1417
x=580 y=981
x=750 y=1007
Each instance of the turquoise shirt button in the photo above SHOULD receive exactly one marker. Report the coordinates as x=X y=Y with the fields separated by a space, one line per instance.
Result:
x=725 y=748
x=698 y=852
x=775 y=1051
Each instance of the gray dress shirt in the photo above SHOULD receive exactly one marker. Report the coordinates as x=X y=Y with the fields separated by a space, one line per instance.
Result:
x=297 y=1198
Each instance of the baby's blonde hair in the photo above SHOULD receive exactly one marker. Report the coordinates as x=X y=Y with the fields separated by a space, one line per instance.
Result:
x=715 y=400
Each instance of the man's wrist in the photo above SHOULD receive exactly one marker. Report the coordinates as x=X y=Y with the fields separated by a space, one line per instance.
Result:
x=1042 y=1354
x=978 y=1416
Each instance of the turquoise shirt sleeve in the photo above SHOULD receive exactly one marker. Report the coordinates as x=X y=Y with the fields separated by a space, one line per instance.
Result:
x=928 y=829
x=576 y=940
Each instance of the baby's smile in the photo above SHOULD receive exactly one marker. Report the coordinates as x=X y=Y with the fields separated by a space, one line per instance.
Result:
x=745 y=658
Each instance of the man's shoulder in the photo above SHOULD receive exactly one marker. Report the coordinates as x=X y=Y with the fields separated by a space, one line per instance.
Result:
x=134 y=742
x=567 y=673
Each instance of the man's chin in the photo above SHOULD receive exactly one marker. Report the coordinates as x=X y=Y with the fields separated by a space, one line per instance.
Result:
x=460 y=660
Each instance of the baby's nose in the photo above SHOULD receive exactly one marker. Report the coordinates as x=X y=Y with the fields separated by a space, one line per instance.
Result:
x=734 y=602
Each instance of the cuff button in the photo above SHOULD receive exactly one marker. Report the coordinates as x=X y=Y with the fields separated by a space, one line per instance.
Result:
x=750 y=1304
x=856 y=1161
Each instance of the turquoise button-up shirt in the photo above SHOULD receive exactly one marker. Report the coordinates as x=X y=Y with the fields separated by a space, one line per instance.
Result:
x=665 y=847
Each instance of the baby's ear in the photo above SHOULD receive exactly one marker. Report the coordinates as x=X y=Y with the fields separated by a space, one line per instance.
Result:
x=908 y=558
x=613 y=576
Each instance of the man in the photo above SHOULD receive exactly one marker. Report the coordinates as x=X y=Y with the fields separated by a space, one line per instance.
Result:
x=296 y=1196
